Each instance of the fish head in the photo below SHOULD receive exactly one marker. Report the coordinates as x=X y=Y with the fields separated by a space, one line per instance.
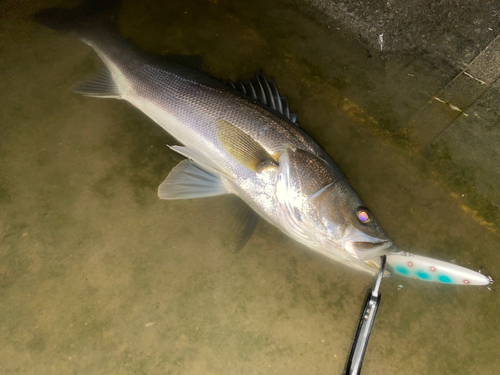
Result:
x=318 y=207
x=343 y=218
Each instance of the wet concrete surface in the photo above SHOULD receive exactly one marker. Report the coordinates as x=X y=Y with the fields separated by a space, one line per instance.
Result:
x=98 y=276
x=448 y=33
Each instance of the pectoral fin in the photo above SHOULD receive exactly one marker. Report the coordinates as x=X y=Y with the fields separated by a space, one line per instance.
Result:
x=243 y=147
x=188 y=180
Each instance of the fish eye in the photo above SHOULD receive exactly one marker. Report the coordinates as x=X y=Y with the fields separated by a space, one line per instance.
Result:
x=364 y=216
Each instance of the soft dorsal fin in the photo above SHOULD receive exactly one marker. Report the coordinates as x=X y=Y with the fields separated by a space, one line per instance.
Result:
x=191 y=61
x=265 y=91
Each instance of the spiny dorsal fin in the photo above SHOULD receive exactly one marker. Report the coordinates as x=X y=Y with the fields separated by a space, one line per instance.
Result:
x=265 y=91
x=191 y=61
x=243 y=147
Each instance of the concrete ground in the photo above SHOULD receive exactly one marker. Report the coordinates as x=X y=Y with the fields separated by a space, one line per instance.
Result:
x=98 y=276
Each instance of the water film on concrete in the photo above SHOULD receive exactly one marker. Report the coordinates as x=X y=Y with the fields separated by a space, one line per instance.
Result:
x=98 y=276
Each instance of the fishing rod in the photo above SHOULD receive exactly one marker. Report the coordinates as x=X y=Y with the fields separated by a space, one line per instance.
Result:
x=365 y=325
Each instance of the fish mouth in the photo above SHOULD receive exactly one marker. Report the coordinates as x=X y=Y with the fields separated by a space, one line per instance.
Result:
x=365 y=247
x=369 y=250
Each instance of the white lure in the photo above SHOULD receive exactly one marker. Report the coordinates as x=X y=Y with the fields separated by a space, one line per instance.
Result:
x=429 y=269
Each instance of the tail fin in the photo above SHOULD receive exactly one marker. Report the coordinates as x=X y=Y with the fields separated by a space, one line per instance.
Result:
x=74 y=21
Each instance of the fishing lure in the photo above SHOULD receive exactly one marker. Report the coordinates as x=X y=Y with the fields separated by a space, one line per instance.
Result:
x=429 y=269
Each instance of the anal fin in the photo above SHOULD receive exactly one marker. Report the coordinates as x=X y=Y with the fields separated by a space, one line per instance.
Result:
x=101 y=86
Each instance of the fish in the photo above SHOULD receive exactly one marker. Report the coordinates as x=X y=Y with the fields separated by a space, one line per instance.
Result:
x=240 y=138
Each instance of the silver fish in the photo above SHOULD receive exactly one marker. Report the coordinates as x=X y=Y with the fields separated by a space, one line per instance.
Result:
x=238 y=138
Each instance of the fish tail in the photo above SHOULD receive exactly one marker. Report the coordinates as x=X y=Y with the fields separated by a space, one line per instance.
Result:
x=94 y=22
x=91 y=15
